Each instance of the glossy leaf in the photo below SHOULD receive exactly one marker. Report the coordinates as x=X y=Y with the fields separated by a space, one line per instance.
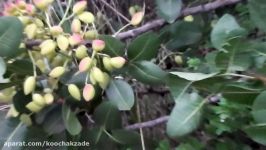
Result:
x=147 y=72
x=225 y=29
x=169 y=9
x=23 y=67
x=259 y=109
x=113 y=46
x=185 y=116
x=120 y=94
x=71 y=121
x=10 y=36
x=126 y=137
x=144 y=47
x=257 y=13
x=257 y=133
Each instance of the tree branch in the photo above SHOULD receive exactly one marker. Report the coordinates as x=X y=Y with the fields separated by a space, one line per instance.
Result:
x=147 y=124
x=187 y=11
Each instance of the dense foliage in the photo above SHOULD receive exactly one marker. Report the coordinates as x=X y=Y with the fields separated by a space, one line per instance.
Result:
x=66 y=77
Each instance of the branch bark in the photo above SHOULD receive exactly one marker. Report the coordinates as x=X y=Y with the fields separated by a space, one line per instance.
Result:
x=148 y=124
x=187 y=11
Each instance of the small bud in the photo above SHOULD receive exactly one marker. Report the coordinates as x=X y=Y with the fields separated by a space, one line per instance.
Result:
x=118 y=62
x=86 y=17
x=74 y=91
x=62 y=42
x=81 y=52
x=107 y=63
x=31 y=30
x=56 y=30
x=21 y=4
x=106 y=81
x=88 y=92
x=42 y=4
x=85 y=64
x=132 y=10
x=24 y=118
x=92 y=80
x=75 y=39
x=137 y=18
x=91 y=34
x=189 y=18
x=79 y=7
x=48 y=98
x=38 y=99
x=33 y=107
x=24 y=19
x=178 y=60
x=98 y=45
x=47 y=47
x=29 y=85
x=57 y=72
x=97 y=74
x=76 y=26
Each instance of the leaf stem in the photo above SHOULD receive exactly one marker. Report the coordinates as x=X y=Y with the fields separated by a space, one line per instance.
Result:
x=121 y=29
x=65 y=14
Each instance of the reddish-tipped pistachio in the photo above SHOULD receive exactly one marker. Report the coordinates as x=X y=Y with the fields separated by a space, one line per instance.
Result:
x=74 y=91
x=48 y=98
x=38 y=99
x=106 y=81
x=57 y=72
x=88 y=92
x=79 y=7
x=98 y=45
x=33 y=107
x=91 y=34
x=107 y=63
x=76 y=26
x=117 y=62
x=56 y=30
x=62 y=42
x=20 y=4
x=30 y=9
x=137 y=18
x=29 y=85
x=85 y=64
x=81 y=52
x=97 y=74
x=31 y=30
x=47 y=47
x=86 y=17
x=75 y=39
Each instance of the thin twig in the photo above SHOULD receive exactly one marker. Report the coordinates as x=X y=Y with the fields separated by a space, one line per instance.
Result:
x=148 y=124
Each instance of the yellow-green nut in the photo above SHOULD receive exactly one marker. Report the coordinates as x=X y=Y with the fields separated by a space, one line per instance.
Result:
x=137 y=18
x=92 y=80
x=31 y=30
x=178 y=60
x=42 y=4
x=56 y=30
x=117 y=62
x=91 y=34
x=88 y=92
x=85 y=64
x=38 y=99
x=79 y=7
x=76 y=26
x=107 y=63
x=41 y=65
x=33 y=107
x=81 y=52
x=24 y=19
x=106 y=81
x=86 y=17
x=12 y=112
x=48 y=98
x=47 y=47
x=97 y=74
x=132 y=10
x=74 y=91
x=57 y=72
x=98 y=45
x=62 y=42
x=29 y=85
x=189 y=18
x=38 y=22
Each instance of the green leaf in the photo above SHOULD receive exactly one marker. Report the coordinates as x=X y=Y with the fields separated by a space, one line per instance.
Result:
x=225 y=29
x=121 y=94
x=10 y=35
x=186 y=115
x=257 y=13
x=144 y=47
x=259 y=109
x=107 y=116
x=71 y=121
x=22 y=67
x=193 y=76
x=20 y=101
x=257 y=133
x=169 y=9
x=126 y=137
x=113 y=46
x=182 y=34
x=147 y=72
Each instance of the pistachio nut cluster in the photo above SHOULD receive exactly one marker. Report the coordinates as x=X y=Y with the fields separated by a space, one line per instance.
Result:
x=59 y=49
